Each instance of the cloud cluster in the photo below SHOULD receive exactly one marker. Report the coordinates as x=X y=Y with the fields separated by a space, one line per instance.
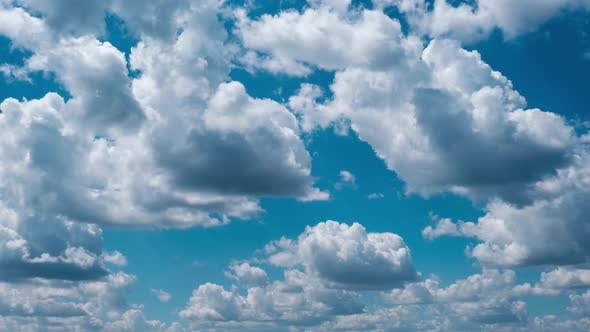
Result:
x=57 y=305
x=428 y=119
x=471 y=21
x=175 y=146
x=552 y=230
x=157 y=138
x=324 y=271
x=310 y=298
x=161 y=137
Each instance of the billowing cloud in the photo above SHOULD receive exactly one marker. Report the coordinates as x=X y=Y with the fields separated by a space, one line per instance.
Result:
x=115 y=257
x=39 y=304
x=348 y=256
x=580 y=303
x=557 y=281
x=550 y=231
x=324 y=270
x=476 y=20
x=161 y=137
x=329 y=40
x=427 y=120
x=428 y=126
x=245 y=273
x=175 y=147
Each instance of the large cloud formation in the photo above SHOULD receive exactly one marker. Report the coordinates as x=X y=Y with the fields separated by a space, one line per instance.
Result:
x=172 y=144
x=309 y=298
x=470 y=21
x=427 y=119
x=171 y=148
x=325 y=268
x=160 y=137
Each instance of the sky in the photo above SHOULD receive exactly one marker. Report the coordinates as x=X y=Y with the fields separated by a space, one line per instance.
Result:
x=319 y=165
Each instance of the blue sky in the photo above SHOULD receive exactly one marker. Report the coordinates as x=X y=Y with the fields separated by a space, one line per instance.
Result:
x=326 y=165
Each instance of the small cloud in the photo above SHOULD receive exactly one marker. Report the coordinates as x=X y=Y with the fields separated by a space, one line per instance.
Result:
x=376 y=196
x=115 y=257
x=346 y=178
x=161 y=295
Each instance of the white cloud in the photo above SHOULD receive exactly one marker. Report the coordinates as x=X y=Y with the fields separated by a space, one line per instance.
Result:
x=477 y=287
x=115 y=257
x=476 y=20
x=245 y=273
x=312 y=290
x=213 y=302
x=375 y=196
x=123 y=143
x=322 y=38
x=95 y=74
x=510 y=235
x=178 y=144
x=161 y=295
x=552 y=323
x=346 y=179
x=69 y=16
x=443 y=227
x=580 y=303
x=24 y=30
x=426 y=120
x=556 y=282
x=253 y=62
x=348 y=256
x=38 y=305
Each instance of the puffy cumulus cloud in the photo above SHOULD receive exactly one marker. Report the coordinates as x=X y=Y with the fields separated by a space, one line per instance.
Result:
x=161 y=295
x=252 y=61
x=475 y=288
x=36 y=243
x=479 y=302
x=557 y=281
x=426 y=120
x=347 y=256
x=552 y=230
x=24 y=30
x=322 y=38
x=153 y=19
x=306 y=300
x=115 y=257
x=580 y=303
x=324 y=272
x=294 y=302
x=346 y=179
x=553 y=323
x=257 y=141
x=42 y=305
x=443 y=227
x=70 y=16
x=133 y=320
x=157 y=150
x=245 y=273
x=475 y=20
x=95 y=74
